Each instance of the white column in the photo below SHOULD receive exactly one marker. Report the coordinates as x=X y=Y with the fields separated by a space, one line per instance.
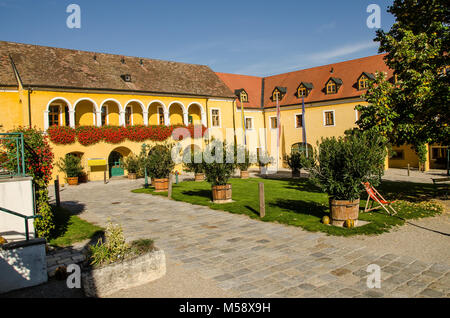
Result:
x=145 y=115
x=185 y=118
x=98 y=115
x=72 y=118
x=122 y=118
x=166 y=117
x=46 y=120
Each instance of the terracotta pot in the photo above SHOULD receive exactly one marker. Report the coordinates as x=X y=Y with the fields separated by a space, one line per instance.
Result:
x=72 y=181
x=342 y=210
x=199 y=177
x=82 y=178
x=161 y=185
x=244 y=174
x=132 y=176
x=221 y=193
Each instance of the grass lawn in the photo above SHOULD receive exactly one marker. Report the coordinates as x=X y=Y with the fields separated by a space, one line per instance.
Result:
x=296 y=202
x=70 y=228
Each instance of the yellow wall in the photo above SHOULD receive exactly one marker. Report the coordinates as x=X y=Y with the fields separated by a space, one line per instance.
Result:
x=11 y=111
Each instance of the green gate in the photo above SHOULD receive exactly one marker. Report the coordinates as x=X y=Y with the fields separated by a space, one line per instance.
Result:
x=115 y=164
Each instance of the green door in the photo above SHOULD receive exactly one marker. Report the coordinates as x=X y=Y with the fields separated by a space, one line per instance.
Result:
x=115 y=164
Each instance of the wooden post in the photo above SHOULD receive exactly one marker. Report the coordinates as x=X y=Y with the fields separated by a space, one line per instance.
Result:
x=58 y=202
x=408 y=169
x=169 y=191
x=104 y=176
x=262 y=203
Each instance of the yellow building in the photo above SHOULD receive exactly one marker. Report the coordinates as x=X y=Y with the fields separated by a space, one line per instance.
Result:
x=44 y=87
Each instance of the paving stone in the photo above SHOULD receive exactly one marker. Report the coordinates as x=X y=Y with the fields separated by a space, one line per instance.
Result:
x=373 y=294
x=341 y=272
x=431 y=293
x=348 y=292
x=306 y=286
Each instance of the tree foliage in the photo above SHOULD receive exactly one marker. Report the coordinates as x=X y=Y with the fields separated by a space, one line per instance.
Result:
x=414 y=110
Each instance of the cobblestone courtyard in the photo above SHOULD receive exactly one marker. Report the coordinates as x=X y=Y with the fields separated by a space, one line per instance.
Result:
x=250 y=258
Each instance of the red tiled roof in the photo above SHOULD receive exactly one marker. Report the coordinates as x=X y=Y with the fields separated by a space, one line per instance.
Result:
x=55 y=67
x=348 y=72
x=251 y=84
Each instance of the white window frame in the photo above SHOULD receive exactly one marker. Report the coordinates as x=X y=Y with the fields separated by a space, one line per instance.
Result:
x=131 y=115
x=107 y=114
x=324 y=118
x=158 y=114
x=253 y=122
x=270 y=122
x=211 y=117
x=60 y=113
x=295 y=120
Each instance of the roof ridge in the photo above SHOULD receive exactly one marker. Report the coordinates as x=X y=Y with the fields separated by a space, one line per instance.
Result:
x=327 y=65
x=105 y=53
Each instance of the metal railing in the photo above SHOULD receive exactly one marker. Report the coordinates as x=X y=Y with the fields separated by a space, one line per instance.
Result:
x=25 y=217
x=13 y=166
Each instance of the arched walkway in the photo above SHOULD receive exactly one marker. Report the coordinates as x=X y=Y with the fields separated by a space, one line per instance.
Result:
x=110 y=113
x=157 y=114
x=195 y=114
x=134 y=113
x=177 y=114
x=57 y=113
x=86 y=113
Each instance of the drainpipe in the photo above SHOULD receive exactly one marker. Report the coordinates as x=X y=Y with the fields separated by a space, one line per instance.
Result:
x=30 y=90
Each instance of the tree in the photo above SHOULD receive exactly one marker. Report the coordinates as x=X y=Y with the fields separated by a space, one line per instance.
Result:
x=414 y=109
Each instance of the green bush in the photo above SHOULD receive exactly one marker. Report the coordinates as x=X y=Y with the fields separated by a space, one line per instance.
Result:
x=70 y=165
x=160 y=163
x=342 y=164
x=217 y=170
x=131 y=163
x=294 y=161
x=114 y=249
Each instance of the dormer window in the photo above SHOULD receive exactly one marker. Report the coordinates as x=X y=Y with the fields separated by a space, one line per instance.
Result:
x=363 y=80
x=242 y=95
x=331 y=87
x=333 y=84
x=278 y=93
x=304 y=89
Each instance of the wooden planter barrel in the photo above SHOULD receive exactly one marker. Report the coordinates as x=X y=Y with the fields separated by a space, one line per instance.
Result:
x=342 y=210
x=221 y=193
x=72 y=181
x=161 y=185
x=199 y=177
x=153 y=182
x=132 y=176
x=244 y=174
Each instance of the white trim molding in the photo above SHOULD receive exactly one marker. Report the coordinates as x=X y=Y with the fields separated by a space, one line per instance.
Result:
x=324 y=118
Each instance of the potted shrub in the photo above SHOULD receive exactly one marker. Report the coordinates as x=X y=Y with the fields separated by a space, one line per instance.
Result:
x=218 y=171
x=244 y=163
x=160 y=166
x=113 y=264
x=294 y=161
x=70 y=165
x=341 y=165
x=263 y=161
x=194 y=164
x=131 y=164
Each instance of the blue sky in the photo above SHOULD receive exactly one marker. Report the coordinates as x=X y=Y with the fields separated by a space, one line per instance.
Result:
x=245 y=37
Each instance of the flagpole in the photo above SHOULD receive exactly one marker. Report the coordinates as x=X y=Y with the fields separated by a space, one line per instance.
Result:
x=243 y=121
x=278 y=133
x=305 y=143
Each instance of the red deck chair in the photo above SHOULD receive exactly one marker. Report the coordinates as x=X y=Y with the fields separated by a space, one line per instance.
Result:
x=377 y=197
